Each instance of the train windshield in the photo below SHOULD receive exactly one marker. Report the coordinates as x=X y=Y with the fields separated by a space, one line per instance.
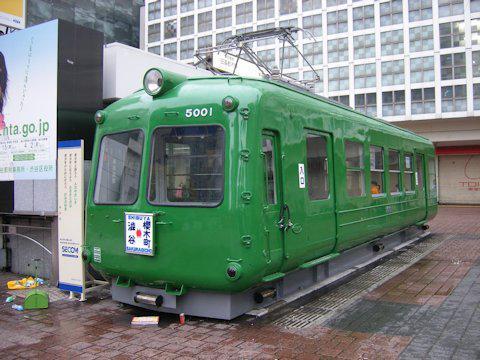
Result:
x=187 y=166
x=119 y=168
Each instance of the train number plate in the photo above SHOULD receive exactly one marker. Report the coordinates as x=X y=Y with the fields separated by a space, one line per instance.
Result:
x=139 y=232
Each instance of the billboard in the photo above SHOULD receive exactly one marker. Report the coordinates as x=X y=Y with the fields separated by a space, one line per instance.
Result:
x=12 y=14
x=28 y=103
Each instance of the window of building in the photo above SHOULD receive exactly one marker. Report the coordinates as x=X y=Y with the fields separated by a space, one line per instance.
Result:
x=475 y=30
x=337 y=22
x=270 y=176
x=170 y=29
x=154 y=49
x=265 y=9
x=454 y=98
x=221 y=1
x=204 y=3
x=366 y=103
x=376 y=171
x=244 y=13
x=364 y=46
x=220 y=37
x=422 y=69
x=314 y=79
x=476 y=63
x=450 y=7
x=336 y=2
x=204 y=41
x=186 y=49
x=118 y=175
x=391 y=12
x=313 y=53
x=419 y=171
x=365 y=76
x=394 y=171
x=421 y=38
x=392 y=42
x=313 y=24
x=170 y=7
x=205 y=21
x=264 y=27
x=355 y=168
x=423 y=101
x=288 y=6
x=243 y=31
x=187 y=25
x=452 y=34
x=224 y=17
x=153 y=33
x=393 y=103
x=393 y=72
x=338 y=78
x=363 y=17
x=432 y=176
x=154 y=10
x=317 y=167
x=453 y=66
x=289 y=55
x=186 y=5
x=337 y=50
x=476 y=96
x=170 y=51
x=408 y=175
x=419 y=10
x=474 y=5
x=308 y=5
x=268 y=57
x=342 y=99
x=291 y=22
x=187 y=166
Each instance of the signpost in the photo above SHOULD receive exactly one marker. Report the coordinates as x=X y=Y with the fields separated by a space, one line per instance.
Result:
x=71 y=275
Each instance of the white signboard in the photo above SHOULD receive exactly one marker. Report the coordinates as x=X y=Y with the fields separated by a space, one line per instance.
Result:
x=28 y=103
x=139 y=233
x=12 y=13
x=226 y=62
x=301 y=176
x=71 y=268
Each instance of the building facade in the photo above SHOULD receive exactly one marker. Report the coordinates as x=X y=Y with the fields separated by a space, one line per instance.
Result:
x=118 y=20
x=413 y=62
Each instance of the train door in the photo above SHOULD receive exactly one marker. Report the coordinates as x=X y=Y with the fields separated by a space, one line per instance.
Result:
x=272 y=200
x=420 y=182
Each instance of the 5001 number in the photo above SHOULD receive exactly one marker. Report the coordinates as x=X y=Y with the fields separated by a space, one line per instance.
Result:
x=203 y=112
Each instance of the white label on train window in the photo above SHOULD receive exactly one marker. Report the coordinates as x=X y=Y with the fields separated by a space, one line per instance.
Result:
x=301 y=176
x=416 y=178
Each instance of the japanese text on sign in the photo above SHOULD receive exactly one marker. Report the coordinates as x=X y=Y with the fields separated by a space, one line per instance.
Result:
x=139 y=233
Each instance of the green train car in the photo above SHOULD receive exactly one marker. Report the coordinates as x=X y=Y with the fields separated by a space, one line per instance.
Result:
x=210 y=195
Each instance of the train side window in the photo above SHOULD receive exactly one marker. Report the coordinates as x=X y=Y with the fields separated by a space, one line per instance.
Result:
x=432 y=177
x=119 y=164
x=376 y=171
x=408 y=173
x=394 y=171
x=419 y=173
x=269 y=156
x=355 y=168
x=317 y=167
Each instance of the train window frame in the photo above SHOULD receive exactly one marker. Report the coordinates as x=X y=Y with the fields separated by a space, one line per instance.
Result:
x=381 y=171
x=432 y=180
x=270 y=135
x=395 y=171
x=410 y=172
x=141 y=131
x=316 y=134
x=150 y=168
x=420 y=175
x=360 y=169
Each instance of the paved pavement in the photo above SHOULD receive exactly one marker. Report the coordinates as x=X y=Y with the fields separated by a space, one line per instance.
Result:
x=429 y=310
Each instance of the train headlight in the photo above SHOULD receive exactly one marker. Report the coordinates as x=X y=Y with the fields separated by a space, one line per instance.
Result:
x=153 y=81
x=99 y=117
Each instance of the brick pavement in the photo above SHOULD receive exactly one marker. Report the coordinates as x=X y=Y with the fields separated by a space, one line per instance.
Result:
x=430 y=310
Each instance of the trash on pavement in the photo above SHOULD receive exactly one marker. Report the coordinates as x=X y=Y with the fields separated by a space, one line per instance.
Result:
x=145 y=320
x=10 y=299
x=25 y=283
x=17 y=307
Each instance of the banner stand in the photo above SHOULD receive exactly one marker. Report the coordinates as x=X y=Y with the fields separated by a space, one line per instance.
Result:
x=72 y=275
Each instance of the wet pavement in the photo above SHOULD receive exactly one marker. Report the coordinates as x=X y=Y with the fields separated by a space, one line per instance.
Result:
x=429 y=308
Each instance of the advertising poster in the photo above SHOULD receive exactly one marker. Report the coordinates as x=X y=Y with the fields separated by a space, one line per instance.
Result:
x=71 y=274
x=12 y=13
x=28 y=103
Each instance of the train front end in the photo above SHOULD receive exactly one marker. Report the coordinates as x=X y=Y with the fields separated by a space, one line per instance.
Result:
x=162 y=219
